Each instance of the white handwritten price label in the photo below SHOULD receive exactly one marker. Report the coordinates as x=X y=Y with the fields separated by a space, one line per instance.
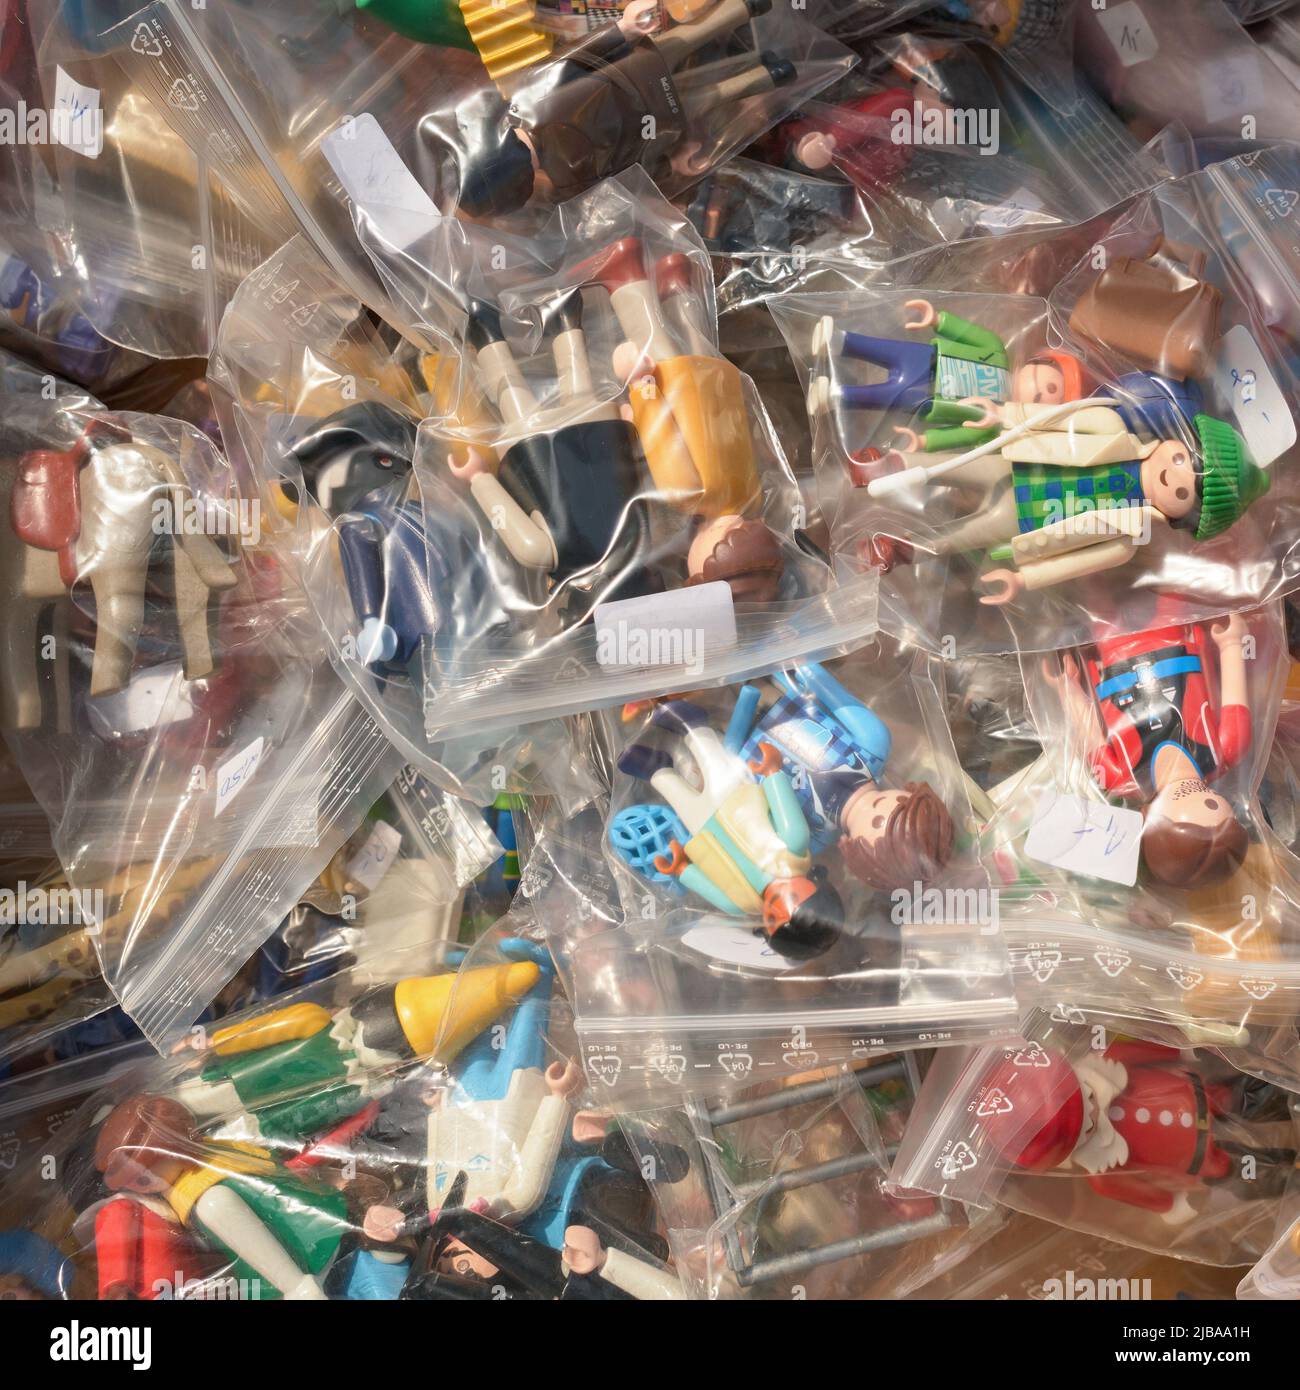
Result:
x=236 y=773
x=1085 y=837
x=1130 y=35
x=78 y=122
x=374 y=859
x=1229 y=86
x=1243 y=377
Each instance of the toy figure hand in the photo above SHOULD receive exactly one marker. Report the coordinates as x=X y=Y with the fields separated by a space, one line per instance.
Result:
x=767 y=762
x=564 y=1078
x=1229 y=631
x=689 y=159
x=928 y=317
x=376 y=641
x=583 y=1252
x=908 y=439
x=988 y=415
x=640 y=17
x=1067 y=675
x=383 y=1224
x=1007 y=584
x=589 y=1127
x=815 y=151
x=476 y=461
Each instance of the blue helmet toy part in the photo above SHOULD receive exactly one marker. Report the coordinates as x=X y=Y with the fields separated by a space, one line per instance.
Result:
x=866 y=731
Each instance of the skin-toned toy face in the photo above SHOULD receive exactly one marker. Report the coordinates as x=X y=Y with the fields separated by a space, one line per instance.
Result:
x=1191 y=802
x=868 y=812
x=1169 y=479
x=1039 y=383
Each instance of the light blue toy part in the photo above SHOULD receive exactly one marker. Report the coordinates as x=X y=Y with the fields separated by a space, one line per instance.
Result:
x=373 y=1279
x=695 y=880
x=556 y=1212
x=637 y=834
x=742 y=718
x=786 y=812
x=488 y=1063
x=867 y=732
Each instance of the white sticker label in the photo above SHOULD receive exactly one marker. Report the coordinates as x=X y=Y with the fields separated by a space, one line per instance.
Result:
x=1129 y=33
x=375 y=178
x=677 y=629
x=160 y=695
x=1086 y=837
x=1228 y=86
x=235 y=774
x=374 y=859
x=721 y=940
x=78 y=122
x=1243 y=377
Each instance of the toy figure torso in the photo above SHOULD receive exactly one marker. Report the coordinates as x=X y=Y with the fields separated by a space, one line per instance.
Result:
x=1164 y=1118
x=482 y=1138
x=1046 y=493
x=1152 y=690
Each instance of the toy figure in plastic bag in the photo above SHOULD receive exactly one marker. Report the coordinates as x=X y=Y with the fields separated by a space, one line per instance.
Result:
x=516 y=1176
x=742 y=840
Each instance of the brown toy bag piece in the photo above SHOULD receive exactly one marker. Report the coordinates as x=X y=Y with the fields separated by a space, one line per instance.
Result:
x=1154 y=310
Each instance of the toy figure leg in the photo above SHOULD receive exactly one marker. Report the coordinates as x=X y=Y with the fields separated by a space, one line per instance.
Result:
x=190 y=595
x=992 y=525
x=910 y=383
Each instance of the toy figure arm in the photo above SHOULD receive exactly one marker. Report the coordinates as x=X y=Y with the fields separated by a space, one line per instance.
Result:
x=787 y=815
x=531 y=1173
x=363 y=564
x=1034 y=573
x=1131 y=524
x=640 y=1278
x=1139 y=1054
x=528 y=539
x=268 y=1029
x=957 y=437
x=960 y=330
x=1234 y=729
x=223 y=1212
x=1139 y=1192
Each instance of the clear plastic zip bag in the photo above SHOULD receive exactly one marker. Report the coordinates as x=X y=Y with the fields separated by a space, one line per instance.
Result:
x=165 y=662
x=626 y=514
x=793 y=879
x=1165 y=1149
x=1135 y=414
x=325 y=408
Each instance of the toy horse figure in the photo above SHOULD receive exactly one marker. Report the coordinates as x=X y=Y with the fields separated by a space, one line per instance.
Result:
x=89 y=515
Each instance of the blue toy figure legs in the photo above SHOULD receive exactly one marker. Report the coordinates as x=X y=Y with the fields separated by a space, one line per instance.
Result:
x=910 y=383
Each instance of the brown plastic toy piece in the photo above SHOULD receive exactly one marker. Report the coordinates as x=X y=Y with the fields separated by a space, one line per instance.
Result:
x=1155 y=311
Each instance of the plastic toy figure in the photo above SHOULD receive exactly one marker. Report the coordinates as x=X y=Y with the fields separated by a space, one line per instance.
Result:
x=692 y=419
x=82 y=353
x=935 y=380
x=415 y=577
x=300 y=1069
x=140 y=1251
x=745 y=846
x=506 y=1142
x=1167 y=740
x=89 y=515
x=1136 y=1122
x=564 y=497
x=836 y=749
x=610 y=102
x=1061 y=503
x=472 y=1248
x=281 y=1232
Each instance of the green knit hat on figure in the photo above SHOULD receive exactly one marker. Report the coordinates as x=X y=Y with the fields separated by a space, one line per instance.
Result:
x=1229 y=481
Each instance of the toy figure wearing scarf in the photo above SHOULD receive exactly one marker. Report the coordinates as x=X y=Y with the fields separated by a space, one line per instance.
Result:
x=1166 y=739
x=1062 y=503
x=1135 y=1122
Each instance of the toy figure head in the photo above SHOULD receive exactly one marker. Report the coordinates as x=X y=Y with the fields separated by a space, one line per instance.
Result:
x=1191 y=838
x=1049 y=379
x=893 y=838
x=745 y=554
x=145 y=1145
x=1204 y=494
